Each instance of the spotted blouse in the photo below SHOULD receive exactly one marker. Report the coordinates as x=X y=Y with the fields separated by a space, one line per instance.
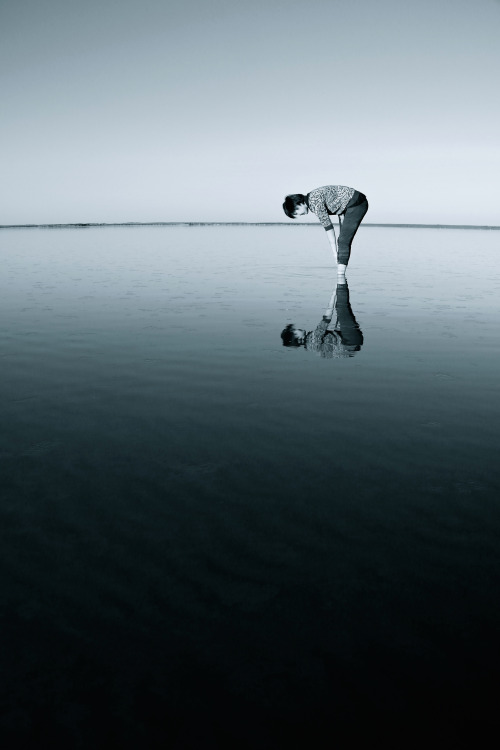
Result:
x=327 y=200
x=327 y=342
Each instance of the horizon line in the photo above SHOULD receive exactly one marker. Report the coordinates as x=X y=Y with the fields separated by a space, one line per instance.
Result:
x=82 y=225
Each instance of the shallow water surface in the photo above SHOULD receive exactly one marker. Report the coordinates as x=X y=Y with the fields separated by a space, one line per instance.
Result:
x=208 y=536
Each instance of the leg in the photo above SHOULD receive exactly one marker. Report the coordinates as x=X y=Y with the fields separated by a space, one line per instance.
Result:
x=346 y=322
x=352 y=219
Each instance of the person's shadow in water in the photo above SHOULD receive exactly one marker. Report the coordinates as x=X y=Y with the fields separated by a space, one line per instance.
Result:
x=337 y=335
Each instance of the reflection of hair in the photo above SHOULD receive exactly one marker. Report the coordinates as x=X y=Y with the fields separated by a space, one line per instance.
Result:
x=288 y=336
x=291 y=203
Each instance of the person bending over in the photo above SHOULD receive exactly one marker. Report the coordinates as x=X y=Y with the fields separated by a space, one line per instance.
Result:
x=333 y=337
x=326 y=201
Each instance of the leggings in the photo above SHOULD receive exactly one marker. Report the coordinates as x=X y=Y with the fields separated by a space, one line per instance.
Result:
x=353 y=216
x=351 y=335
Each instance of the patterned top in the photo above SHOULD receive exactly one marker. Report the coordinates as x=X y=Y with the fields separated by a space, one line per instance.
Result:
x=344 y=338
x=327 y=343
x=327 y=200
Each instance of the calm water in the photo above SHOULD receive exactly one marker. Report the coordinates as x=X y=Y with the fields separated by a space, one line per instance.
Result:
x=208 y=537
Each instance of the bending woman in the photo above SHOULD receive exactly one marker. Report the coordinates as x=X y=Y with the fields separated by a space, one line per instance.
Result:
x=325 y=202
x=341 y=338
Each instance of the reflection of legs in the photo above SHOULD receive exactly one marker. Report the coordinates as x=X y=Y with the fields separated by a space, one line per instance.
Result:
x=346 y=322
x=352 y=219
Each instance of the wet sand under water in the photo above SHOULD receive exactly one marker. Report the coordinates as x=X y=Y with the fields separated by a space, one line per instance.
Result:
x=209 y=537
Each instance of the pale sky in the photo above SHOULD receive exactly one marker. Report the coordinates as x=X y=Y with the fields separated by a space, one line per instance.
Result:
x=150 y=110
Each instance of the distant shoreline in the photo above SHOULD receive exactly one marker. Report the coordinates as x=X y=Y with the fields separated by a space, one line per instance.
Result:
x=231 y=224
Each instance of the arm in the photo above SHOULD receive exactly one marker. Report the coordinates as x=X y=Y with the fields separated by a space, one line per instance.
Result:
x=324 y=218
x=330 y=233
x=329 y=310
x=341 y=267
x=318 y=206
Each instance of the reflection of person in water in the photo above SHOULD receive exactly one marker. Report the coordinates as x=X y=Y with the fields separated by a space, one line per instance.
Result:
x=325 y=202
x=340 y=338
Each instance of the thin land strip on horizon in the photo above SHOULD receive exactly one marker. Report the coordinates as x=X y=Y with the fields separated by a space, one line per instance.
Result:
x=79 y=225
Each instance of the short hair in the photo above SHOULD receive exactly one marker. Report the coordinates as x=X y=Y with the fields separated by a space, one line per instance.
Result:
x=291 y=203
x=288 y=336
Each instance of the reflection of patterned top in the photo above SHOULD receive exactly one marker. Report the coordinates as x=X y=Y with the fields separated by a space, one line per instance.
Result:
x=327 y=200
x=328 y=344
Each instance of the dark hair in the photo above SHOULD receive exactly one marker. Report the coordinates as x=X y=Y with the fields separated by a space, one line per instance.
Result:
x=291 y=203
x=288 y=336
